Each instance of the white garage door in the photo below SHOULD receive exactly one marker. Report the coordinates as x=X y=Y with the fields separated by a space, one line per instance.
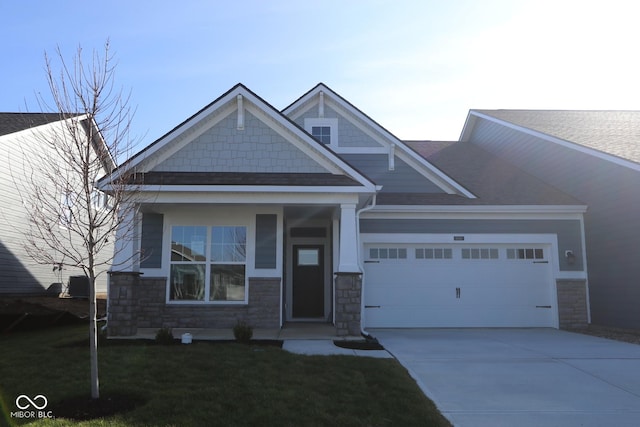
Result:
x=493 y=285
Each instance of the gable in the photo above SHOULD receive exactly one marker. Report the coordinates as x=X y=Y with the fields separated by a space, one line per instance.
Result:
x=353 y=132
x=238 y=133
x=348 y=135
x=255 y=148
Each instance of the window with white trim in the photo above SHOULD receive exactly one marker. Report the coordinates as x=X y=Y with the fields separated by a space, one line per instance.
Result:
x=322 y=134
x=480 y=253
x=208 y=264
x=67 y=203
x=325 y=130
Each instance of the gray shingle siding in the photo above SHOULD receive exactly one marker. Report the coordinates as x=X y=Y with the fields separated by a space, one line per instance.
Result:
x=612 y=230
x=568 y=231
x=348 y=134
x=403 y=179
x=224 y=148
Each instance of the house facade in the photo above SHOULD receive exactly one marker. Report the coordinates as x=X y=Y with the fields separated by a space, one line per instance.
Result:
x=594 y=156
x=316 y=213
x=21 y=149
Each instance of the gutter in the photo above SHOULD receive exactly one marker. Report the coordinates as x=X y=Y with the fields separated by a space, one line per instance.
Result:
x=360 y=260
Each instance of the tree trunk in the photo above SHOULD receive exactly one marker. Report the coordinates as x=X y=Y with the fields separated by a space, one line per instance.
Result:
x=93 y=339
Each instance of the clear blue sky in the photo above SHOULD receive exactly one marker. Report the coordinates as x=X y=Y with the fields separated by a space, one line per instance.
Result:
x=416 y=67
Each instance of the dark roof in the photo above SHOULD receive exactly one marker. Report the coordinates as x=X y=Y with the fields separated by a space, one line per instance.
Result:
x=243 y=178
x=15 y=122
x=492 y=180
x=609 y=131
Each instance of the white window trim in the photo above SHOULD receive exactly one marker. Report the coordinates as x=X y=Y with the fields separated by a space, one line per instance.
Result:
x=332 y=123
x=208 y=263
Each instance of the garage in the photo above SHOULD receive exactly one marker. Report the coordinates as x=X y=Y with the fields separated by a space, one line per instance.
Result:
x=459 y=285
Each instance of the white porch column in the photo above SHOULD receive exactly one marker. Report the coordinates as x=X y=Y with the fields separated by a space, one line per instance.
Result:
x=126 y=253
x=348 y=240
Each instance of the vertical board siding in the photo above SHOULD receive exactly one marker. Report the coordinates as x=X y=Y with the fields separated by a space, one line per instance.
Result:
x=266 y=240
x=151 y=240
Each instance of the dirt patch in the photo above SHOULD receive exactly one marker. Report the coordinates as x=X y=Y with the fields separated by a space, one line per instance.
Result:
x=626 y=335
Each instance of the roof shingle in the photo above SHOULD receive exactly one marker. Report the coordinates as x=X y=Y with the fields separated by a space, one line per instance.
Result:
x=609 y=131
x=15 y=122
x=492 y=180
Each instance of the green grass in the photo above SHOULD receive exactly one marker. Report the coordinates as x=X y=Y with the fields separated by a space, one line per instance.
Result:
x=212 y=384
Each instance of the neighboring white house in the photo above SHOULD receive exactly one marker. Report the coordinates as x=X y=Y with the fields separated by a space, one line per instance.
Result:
x=21 y=136
x=318 y=213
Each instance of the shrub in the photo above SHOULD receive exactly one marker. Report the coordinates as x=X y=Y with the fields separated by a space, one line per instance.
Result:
x=242 y=331
x=164 y=336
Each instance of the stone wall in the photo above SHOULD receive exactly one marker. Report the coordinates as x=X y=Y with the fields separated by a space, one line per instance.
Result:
x=140 y=302
x=348 y=303
x=572 y=303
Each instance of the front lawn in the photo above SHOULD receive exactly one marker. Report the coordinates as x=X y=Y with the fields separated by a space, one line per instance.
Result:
x=210 y=384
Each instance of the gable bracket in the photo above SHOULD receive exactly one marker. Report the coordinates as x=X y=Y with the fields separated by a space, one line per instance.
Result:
x=240 y=113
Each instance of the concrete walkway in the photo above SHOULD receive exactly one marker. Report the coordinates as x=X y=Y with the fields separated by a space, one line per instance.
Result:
x=521 y=377
x=328 y=348
x=300 y=338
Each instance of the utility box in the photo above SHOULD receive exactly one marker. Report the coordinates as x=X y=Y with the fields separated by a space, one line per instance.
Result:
x=78 y=287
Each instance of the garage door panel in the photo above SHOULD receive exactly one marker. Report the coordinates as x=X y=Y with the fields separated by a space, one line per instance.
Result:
x=496 y=291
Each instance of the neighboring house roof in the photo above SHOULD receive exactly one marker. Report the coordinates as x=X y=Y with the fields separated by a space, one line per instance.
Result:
x=492 y=180
x=612 y=132
x=15 y=122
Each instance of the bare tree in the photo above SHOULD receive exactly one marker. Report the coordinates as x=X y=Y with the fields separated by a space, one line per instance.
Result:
x=72 y=224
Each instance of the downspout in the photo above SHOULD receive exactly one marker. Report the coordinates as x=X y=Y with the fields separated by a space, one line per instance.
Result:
x=360 y=258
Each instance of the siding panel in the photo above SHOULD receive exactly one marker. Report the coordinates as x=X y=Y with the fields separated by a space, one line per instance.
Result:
x=612 y=233
x=266 y=240
x=151 y=240
x=403 y=179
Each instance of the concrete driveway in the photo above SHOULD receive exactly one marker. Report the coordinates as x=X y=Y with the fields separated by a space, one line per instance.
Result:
x=521 y=377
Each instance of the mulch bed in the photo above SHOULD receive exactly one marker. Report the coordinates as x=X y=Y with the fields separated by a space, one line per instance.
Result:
x=31 y=313
x=358 y=344
x=626 y=335
x=82 y=408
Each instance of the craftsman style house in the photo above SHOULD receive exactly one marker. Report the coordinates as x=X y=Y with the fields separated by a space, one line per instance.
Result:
x=317 y=213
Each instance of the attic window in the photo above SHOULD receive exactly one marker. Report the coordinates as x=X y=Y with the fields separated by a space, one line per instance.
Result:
x=322 y=133
x=325 y=130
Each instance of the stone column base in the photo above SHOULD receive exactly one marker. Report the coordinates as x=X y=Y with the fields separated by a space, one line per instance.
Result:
x=348 y=303
x=572 y=303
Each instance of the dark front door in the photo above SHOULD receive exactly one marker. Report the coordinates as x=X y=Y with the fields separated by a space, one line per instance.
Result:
x=308 y=281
